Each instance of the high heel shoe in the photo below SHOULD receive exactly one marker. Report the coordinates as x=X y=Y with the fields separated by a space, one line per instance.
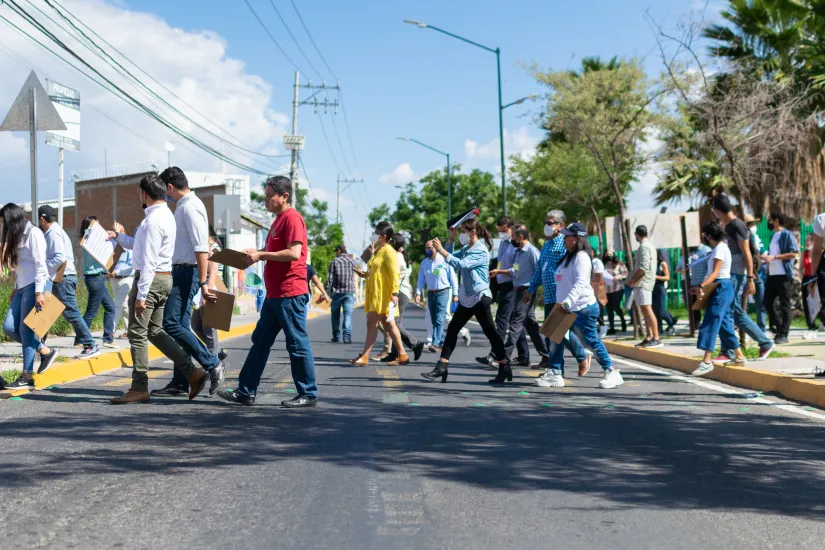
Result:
x=360 y=361
x=504 y=373
x=440 y=371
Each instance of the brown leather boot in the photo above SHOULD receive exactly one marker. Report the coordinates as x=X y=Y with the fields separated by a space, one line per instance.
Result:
x=131 y=396
x=402 y=360
x=196 y=383
x=542 y=365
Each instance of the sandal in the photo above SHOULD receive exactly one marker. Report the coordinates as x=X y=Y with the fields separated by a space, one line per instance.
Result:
x=360 y=361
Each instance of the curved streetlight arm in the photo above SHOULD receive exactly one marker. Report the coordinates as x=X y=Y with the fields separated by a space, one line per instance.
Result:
x=449 y=173
x=424 y=145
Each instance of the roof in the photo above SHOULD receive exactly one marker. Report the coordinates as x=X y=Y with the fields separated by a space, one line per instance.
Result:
x=260 y=220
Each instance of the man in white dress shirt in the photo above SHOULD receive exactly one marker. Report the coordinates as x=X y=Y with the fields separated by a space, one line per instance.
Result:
x=189 y=274
x=152 y=249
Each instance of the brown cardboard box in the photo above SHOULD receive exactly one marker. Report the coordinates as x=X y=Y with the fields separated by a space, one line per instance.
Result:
x=702 y=303
x=557 y=324
x=219 y=314
x=41 y=321
x=230 y=257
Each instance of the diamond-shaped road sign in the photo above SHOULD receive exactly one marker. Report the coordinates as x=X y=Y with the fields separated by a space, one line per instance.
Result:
x=17 y=119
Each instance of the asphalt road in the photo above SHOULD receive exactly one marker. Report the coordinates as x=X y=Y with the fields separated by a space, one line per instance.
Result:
x=388 y=460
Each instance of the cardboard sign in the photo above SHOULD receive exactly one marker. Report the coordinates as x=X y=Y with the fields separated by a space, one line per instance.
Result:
x=323 y=304
x=232 y=258
x=702 y=303
x=557 y=324
x=597 y=282
x=220 y=286
x=96 y=244
x=41 y=321
x=58 y=277
x=219 y=314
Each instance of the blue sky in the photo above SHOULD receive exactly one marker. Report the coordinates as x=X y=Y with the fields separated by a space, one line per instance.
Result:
x=397 y=79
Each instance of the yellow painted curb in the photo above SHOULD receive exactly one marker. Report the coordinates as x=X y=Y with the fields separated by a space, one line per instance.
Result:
x=797 y=389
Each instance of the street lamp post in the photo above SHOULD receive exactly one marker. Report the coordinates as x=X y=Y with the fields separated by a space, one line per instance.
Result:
x=496 y=51
x=449 y=174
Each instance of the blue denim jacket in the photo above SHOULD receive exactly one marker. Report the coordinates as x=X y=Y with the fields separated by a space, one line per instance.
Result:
x=787 y=243
x=473 y=266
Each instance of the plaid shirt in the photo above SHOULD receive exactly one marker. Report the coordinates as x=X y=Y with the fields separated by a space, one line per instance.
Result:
x=340 y=278
x=551 y=254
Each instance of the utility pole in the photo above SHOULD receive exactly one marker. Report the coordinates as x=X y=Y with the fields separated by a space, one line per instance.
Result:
x=338 y=207
x=293 y=167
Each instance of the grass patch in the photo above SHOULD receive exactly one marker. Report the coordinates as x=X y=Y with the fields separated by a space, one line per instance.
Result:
x=10 y=376
x=751 y=353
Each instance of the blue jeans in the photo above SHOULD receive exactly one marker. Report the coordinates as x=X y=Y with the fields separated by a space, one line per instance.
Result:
x=347 y=302
x=99 y=295
x=718 y=319
x=437 y=303
x=587 y=328
x=740 y=317
x=65 y=292
x=572 y=343
x=177 y=320
x=758 y=298
x=16 y=329
x=290 y=316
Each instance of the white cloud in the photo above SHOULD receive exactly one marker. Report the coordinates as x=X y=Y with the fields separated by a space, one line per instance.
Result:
x=402 y=175
x=12 y=148
x=520 y=142
x=193 y=64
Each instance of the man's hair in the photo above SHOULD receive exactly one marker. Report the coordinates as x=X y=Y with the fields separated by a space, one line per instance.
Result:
x=521 y=231
x=641 y=230
x=175 y=177
x=722 y=204
x=714 y=231
x=282 y=185
x=780 y=217
x=341 y=248
x=557 y=215
x=153 y=186
x=506 y=220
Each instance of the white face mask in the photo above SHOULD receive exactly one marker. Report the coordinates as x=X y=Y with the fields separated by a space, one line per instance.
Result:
x=374 y=238
x=549 y=231
x=464 y=239
x=504 y=236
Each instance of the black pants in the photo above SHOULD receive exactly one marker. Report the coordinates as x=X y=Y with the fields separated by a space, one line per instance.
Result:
x=507 y=303
x=484 y=316
x=614 y=306
x=524 y=320
x=409 y=340
x=779 y=287
x=660 y=307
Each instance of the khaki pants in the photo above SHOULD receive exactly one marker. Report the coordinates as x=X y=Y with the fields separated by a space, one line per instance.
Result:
x=148 y=327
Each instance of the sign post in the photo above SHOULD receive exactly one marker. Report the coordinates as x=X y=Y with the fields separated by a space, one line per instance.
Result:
x=30 y=112
x=67 y=103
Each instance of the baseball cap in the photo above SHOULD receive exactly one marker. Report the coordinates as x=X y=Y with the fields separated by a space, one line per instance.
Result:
x=575 y=229
x=47 y=211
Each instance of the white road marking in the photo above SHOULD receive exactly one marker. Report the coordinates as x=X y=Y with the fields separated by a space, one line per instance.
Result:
x=721 y=389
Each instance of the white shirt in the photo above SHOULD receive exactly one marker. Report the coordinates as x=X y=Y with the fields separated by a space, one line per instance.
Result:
x=31 y=260
x=776 y=267
x=152 y=246
x=819 y=225
x=406 y=271
x=598 y=266
x=59 y=250
x=721 y=252
x=192 y=229
x=573 y=287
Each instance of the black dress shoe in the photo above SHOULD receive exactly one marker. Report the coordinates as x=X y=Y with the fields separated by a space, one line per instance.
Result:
x=348 y=341
x=418 y=349
x=21 y=383
x=234 y=396
x=170 y=390
x=334 y=340
x=216 y=377
x=223 y=354
x=299 y=402
x=486 y=360
x=522 y=362
x=387 y=358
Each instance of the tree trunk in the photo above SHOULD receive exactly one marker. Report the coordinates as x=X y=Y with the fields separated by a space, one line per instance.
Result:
x=598 y=228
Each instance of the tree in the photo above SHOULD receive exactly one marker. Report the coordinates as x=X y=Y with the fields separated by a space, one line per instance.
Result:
x=608 y=113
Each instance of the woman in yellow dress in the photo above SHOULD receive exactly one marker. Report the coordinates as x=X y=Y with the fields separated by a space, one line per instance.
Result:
x=383 y=285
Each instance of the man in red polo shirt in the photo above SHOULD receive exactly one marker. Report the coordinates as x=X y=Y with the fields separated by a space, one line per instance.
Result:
x=285 y=307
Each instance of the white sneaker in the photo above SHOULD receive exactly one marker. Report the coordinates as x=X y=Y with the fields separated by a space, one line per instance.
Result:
x=466 y=336
x=602 y=331
x=702 y=369
x=612 y=379
x=810 y=335
x=551 y=379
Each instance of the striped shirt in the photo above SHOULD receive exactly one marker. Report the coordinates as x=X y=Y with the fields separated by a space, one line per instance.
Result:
x=551 y=254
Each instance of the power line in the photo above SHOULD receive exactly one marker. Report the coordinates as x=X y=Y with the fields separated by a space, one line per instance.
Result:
x=314 y=45
x=123 y=94
x=329 y=147
x=349 y=134
x=269 y=34
x=341 y=147
x=292 y=36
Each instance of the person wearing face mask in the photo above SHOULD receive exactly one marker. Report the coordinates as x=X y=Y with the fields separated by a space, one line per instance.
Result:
x=383 y=288
x=152 y=249
x=472 y=265
x=545 y=275
x=435 y=275
x=190 y=266
x=574 y=293
x=781 y=254
x=286 y=304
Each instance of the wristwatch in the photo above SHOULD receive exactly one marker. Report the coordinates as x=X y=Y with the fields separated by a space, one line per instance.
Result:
x=203 y=283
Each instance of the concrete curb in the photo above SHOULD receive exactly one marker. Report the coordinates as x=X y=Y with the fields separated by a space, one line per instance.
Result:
x=796 y=389
x=73 y=371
